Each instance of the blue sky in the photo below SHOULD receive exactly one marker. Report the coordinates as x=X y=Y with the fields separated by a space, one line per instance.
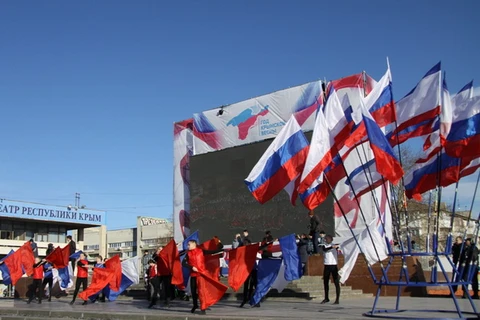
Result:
x=89 y=90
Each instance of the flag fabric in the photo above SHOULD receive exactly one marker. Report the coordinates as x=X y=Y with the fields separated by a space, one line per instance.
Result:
x=424 y=176
x=280 y=283
x=380 y=101
x=292 y=190
x=114 y=264
x=5 y=271
x=281 y=163
x=130 y=276
x=386 y=162
x=27 y=258
x=212 y=261
x=350 y=249
x=13 y=263
x=267 y=272
x=419 y=109
x=319 y=156
x=59 y=257
x=100 y=279
x=193 y=236
x=64 y=277
x=76 y=255
x=241 y=263
x=172 y=258
x=469 y=167
x=291 y=257
x=464 y=137
x=210 y=290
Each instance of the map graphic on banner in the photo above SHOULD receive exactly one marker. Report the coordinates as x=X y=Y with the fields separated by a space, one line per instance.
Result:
x=255 y=119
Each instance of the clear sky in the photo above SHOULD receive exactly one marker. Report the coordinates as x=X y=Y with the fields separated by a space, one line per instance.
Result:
x=89 y=90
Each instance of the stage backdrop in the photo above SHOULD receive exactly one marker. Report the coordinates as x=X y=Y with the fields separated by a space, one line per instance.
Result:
x=221 y=204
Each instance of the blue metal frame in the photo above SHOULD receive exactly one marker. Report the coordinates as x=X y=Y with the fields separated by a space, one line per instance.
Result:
x=404 y=281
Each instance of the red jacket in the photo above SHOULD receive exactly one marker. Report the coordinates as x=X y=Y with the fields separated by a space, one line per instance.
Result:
x=38 y=273
x=152 y=272
x=82 y=269
x=197 y=260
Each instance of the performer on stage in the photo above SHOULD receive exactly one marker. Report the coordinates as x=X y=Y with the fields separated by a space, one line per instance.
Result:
x=330 y=260
x=48 y=279
x=82 y=276
x=154 y=281
x=195 y=261
x=37 y=280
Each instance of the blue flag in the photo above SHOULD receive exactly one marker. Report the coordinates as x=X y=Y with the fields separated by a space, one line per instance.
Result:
x=193 y=236
x=76 y=255
x=291 y=258
x=267 y=272
x=5 y=272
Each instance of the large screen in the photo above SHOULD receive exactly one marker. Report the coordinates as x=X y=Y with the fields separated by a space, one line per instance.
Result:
x=221 y=204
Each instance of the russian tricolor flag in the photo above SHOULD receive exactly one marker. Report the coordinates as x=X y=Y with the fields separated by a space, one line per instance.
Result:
x=281 y=163
x=386 y=162
x=464 y=137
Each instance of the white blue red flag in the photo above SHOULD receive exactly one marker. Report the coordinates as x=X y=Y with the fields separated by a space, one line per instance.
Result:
x=464 y=137
x=385 y=159
x=281 y=163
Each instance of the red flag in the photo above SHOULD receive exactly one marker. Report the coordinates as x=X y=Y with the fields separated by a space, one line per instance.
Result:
x=242 y=261
x=170 y=255
x=59 y=257
x=27 y=258
x=114 y=265
x=212 y=261
x=100 y=279
x=14 y=265
x=210 y=290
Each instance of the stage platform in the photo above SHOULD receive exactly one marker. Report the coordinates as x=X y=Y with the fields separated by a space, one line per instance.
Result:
x=277 y=309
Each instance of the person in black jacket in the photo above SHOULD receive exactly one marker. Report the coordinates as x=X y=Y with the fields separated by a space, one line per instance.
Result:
x=456 y=255
x=302 y=245
x=73 y=247
x=313 y=228
x=245 y=240
x=471 y=265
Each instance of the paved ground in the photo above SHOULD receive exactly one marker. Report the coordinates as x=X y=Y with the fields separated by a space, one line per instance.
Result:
x=275 y=309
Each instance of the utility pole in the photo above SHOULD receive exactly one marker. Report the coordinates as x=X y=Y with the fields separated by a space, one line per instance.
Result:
x=77 y=200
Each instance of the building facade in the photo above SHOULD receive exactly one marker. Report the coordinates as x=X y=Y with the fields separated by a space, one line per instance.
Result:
x=21 y=221
x=148 y=235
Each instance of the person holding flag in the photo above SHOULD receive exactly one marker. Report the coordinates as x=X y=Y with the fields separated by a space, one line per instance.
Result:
x=82 y=276
x=48 y=279
x=202 y=285
x=37 y=280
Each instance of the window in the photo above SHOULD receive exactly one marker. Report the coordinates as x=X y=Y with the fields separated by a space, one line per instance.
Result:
x=130 y=244
x=18 y=231
x=115 y=245
x=6 y=235
x=91 y=247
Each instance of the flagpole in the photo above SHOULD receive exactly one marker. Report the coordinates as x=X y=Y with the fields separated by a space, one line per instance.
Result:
x=429 y=221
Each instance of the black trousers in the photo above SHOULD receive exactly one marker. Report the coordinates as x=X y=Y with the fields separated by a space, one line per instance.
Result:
x=73 y=264
x=36 y=290
x=165 y=282
x=48 y=281
x=194 y=288
x=80 y=282
x=333 y=271
x=315 y=236
x=155 y=289
x=249 y=286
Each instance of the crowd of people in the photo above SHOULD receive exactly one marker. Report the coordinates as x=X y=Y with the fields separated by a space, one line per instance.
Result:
x=158 y=273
